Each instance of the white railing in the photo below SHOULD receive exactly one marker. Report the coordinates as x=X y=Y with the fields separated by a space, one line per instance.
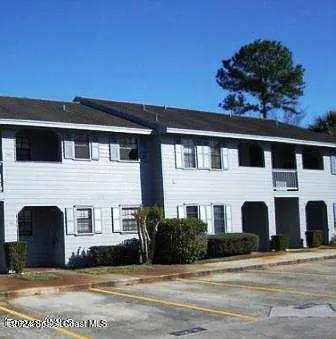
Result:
x=285 y=180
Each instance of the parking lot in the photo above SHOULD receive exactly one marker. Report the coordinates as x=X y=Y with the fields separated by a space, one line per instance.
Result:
x=284 y=301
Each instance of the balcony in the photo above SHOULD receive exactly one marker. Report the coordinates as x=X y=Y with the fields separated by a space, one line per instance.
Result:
x=285 y=180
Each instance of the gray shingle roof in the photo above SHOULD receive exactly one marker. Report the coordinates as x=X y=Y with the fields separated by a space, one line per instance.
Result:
x=172 y=117
x=53 y=111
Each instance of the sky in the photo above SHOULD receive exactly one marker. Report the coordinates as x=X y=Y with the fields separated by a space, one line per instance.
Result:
x=163 y=52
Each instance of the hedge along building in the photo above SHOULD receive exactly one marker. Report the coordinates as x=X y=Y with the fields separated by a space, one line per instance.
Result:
x=73 y=173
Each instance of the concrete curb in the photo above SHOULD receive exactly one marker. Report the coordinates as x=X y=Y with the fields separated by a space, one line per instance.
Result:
x=133 y=280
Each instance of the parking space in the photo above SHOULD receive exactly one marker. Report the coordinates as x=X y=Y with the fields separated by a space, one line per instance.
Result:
x=283 y=301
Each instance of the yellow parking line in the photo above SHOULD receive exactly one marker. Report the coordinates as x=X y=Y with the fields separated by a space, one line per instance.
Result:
x=261 y=288
x=175 y=304
x=28 y=317
x=291 y=273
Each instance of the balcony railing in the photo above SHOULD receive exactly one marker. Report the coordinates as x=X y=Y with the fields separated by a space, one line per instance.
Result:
x=285 y=180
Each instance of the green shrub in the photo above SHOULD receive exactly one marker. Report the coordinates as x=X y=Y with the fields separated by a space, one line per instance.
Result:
x=15 y=255
x=223 y=245
x=180 y=241
x=123 y=254
x=314 y=238
x=333 y=241
x=279 y=242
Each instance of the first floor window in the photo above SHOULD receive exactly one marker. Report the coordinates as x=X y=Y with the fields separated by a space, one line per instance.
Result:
x=23 y=147
x=128 y=220
x=128 y=149
x=82 y=146
x=189 y=154
x=216 y=162
x=25 y=221
x=84 y=220
x=219 y=224
x=192 y=211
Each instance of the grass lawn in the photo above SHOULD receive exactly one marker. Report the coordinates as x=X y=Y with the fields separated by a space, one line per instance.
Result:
x=36 y=276
x=115 y=269
x=148 y=268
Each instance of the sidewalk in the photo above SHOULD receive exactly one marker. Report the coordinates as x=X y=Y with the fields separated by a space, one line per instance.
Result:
x=69 y=280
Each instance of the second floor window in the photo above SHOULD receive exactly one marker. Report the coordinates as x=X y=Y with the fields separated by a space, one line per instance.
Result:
x=189 y=154
x=216 y=162
x=312 y=158
x=128 y=149
x=82 y=147
x=84 y=220
x=23 y=148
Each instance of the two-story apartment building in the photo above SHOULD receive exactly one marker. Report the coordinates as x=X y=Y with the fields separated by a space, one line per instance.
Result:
x=73 y=174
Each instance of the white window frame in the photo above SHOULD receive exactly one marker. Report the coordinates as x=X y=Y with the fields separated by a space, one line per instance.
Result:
x=122 y=219
x=79 y=207
x=74 y=146
x=192 y=205
x=183 y=142
x=117 y=140
x=212 y=142
x=213 y=216
x=192 y=144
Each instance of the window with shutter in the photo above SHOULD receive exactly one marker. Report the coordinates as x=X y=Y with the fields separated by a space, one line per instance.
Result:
x=128 y=220
x=84 y=220
x=219 y=218
x=189 y=154
x=216 y=158
x=82 y=146
x=192 y=211
x=128 y=148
